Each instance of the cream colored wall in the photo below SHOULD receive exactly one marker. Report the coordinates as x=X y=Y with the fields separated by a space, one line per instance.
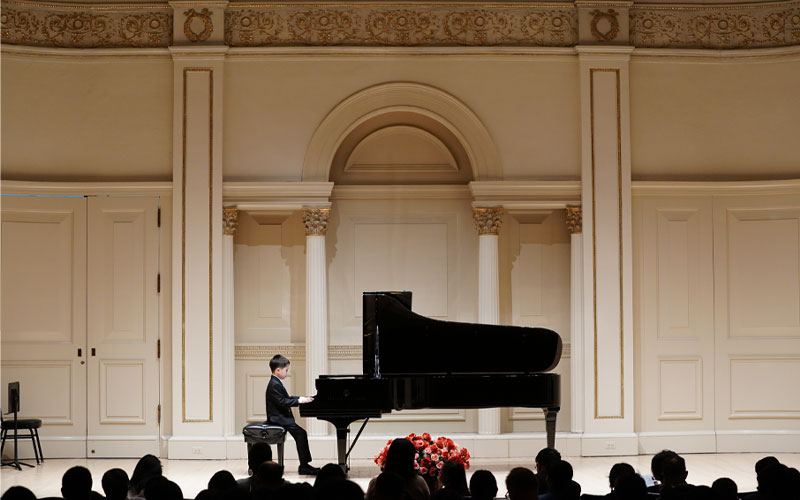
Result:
x=86 y=118
x=273 y=105
x=715 y=118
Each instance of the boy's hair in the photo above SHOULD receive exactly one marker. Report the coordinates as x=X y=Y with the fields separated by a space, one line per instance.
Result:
x=278 y=361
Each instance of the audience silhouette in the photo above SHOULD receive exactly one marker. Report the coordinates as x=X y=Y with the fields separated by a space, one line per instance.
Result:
x=400 y=480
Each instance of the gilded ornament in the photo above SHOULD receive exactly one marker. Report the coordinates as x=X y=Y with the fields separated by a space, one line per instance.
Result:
x=205 y=17
x=324 y=27
x=250 y=27
x=655 y=29
x=609 y=29
x=230 y=220
x=574 y=219
x=488 y=220
x=478 y=27
x=315 y=221
x=401 y=27
x=146 y=30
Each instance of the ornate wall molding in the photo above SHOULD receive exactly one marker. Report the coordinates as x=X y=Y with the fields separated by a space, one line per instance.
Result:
x=516 y=24
x=293 y=352
x=315 y=221
x=86 y=25
x=488 y=220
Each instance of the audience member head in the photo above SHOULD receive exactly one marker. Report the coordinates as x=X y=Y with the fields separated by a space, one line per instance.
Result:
x=18 y=493
x=257 y=455
x=295 y=491
x=76 y=483
x=559 y=480
x=673 y=471
x=617 y=471
x=400 y=458
x=766 y=462
x=389 y=486
x=329 y=472
x=657 y=461
x=630 y=487
x=545 y=458
x=269 y=475
x=222 y=480
x=483 y=485
x=161 y=488
x=149 y=466
x=338 y=488
x=115 y=484
x=521 y=484
x=453 y=477
x=725 y=489
x=774 y=482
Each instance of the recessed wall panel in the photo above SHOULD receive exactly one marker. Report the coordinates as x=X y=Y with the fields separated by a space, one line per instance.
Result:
x=680 y=389
x=765 y=388
x=403 y=256
x=122 y=392
x=677 y=272
x=45 y=389
x=763 y=275
x=37 y=263
x=271 y=270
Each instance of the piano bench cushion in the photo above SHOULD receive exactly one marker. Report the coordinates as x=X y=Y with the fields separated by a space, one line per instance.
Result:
x=264 y=433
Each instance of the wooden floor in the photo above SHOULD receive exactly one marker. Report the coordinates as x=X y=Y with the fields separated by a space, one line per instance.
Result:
x=591 y=473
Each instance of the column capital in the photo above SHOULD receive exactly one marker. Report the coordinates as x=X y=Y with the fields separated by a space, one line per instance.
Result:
x=488 y=219
x=315 y=221
x=574 y=219
x=230 y=220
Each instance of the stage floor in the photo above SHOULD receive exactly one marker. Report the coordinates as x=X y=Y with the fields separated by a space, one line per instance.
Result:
x=590 y=472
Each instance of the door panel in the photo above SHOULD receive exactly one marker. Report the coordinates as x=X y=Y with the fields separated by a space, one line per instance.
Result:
x=44 y=316
x=757 y=283
x=123 y=390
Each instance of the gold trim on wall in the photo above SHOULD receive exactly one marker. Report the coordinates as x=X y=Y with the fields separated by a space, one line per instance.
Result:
x=210 y=72
x=616 y=71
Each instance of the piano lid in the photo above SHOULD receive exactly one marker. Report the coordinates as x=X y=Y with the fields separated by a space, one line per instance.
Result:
x=400 y=342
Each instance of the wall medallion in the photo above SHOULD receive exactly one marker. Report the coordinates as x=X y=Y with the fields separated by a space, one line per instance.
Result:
x=196 y=19
x=604 y=25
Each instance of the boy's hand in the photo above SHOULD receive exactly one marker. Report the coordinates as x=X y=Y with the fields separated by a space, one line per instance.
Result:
x=305 y=399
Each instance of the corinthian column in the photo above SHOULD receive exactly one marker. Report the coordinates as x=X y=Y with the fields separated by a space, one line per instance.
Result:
x=229 y=223
x=316 y=225
x=488 y=222
x=574 y=224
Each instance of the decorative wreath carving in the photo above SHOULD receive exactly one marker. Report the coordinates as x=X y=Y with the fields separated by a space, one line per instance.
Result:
x=611 y=17
x=208 y=27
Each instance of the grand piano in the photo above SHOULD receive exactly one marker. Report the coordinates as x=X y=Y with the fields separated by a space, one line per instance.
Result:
x=410 y=362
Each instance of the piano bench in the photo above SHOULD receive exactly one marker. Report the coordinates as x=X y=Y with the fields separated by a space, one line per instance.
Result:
x=265 y=433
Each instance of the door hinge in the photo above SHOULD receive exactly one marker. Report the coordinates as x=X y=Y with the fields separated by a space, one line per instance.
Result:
x=158 y=344
x=158 y=283
x=159 y=413
x=159 y=216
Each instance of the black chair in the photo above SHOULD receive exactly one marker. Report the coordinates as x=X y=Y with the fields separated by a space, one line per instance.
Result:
x=30 y=424
x=265 y=433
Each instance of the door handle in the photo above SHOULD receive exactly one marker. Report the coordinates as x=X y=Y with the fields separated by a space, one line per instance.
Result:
x=80 y=352
x=94 y=353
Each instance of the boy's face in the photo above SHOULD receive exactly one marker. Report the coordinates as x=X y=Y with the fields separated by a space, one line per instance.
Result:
x=281 y=373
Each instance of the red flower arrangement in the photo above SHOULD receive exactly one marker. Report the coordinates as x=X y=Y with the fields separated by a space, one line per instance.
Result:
x=431 y=455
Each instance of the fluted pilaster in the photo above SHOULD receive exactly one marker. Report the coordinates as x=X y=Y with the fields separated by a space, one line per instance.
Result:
x=316 y=225
x=230 y=220
x=575 y=225
x=488 y=221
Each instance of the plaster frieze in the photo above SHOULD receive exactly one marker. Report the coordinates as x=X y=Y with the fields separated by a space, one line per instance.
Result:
x=458 y=24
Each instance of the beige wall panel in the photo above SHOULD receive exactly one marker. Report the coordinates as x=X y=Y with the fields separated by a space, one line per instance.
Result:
x=86 y=119
x=425 y=246
x=756 y=252
x=749 y=379
x=38 y=275
x=403 y=256
x=46 y=391
x=764 y=274
x=680 y=389
x=674 y=330
x=122 y=406
x=704 y=119
x=516 y=97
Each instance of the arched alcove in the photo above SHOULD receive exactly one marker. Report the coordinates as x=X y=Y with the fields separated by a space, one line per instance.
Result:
x=404 y=113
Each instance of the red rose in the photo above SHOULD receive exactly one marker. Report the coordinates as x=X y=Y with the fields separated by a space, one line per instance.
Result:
x=433 y=472
x=418 y=444
x=440 y=465
x=428 y=450
x=435 y=457
x=423 y=470
x=416 y=466
x=425 y=435
x=425 y=462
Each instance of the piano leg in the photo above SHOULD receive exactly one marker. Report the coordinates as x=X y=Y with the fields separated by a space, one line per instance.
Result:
x=341 y=446
x=550 y=425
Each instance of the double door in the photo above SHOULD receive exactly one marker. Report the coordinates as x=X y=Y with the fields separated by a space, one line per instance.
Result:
x=80 y=321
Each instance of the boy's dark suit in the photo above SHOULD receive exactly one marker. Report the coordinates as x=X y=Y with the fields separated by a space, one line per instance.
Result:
x=279 y=412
